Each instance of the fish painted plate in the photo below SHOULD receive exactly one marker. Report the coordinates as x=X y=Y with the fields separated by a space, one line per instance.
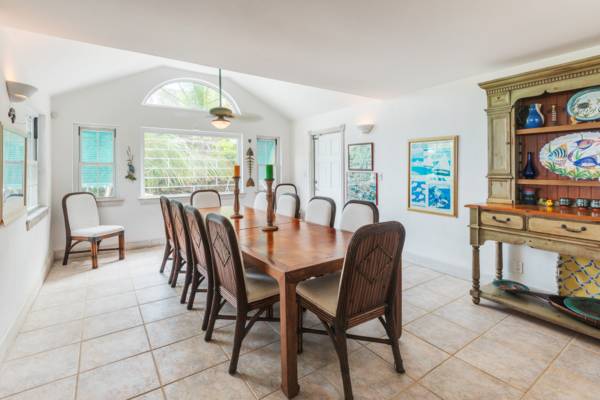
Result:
x=576 y=155
x=587 y=307
x=508 y=285
x=585 y=105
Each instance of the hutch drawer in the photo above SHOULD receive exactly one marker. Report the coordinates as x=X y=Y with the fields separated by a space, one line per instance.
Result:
x=575 y=229
x=503 y=220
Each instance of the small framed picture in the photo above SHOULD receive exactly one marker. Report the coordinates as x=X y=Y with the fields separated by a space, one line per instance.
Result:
x=432 y=175
x=362 y=185
x=360 y=157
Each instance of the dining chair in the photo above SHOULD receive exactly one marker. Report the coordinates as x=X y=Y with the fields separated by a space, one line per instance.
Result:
x=260 y=201
x=201 y=263
x=357 y=213
x=244 y=289
x=288 y=205
x=282 y=188
x=165 y=208
x=205 y=198
x=82 y=224
x=365 y=289
x=320 y=210
x=182 y=254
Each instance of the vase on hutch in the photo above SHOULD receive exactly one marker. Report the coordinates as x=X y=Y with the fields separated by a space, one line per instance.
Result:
x=535 y=118
x=529 y=172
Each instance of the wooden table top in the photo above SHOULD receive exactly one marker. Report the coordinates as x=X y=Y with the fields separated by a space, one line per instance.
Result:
x=252 y=218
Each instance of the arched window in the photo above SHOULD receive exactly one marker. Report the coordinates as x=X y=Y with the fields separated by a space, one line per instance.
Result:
x=190 y=94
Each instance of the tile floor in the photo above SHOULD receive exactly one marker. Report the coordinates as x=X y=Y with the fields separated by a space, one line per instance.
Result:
x=120 y=332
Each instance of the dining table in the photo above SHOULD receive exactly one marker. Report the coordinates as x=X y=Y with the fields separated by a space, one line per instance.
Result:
x=296 y=251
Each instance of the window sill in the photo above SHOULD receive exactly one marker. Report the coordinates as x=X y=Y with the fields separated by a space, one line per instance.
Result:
x=186 y=197
x=110 y=201
x=35 y=216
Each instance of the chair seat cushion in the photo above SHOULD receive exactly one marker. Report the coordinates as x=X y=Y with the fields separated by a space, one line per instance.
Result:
x=322 y=291
x=259 y=286
x=95 y=231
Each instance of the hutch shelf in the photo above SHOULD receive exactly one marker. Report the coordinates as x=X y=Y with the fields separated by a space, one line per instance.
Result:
x=502 y=219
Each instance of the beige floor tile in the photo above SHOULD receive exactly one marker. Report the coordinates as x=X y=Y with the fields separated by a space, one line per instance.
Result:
x=48 y=300
x=587 y=343
x=259 y=336
x=424 y=298
x=416 y=392
x=411 y=312
x=170 y=330
x=153 y=395
x=108 y=304
x=372 y=377
x=413 y=275
x=116 y=346
x=478 y=318
x=441 y=333
x=162 y=309
x=187 y=357
x=39 y=340
x=457 y=380
x=25 y=373
x=312 y=387
x=110 y=288
x=120 y=380
x=111 y=322
x=63 y=389
x=448 y=286
x=214 y=383
x=418 y=356
x=144 y=280
x=155 y=293
x=52 y=316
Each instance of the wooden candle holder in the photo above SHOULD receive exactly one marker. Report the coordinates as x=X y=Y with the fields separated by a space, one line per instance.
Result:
x=270 y=208
x=236 y=199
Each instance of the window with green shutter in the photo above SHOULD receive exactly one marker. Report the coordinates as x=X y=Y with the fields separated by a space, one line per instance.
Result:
x=266 y=153
x=97 y=161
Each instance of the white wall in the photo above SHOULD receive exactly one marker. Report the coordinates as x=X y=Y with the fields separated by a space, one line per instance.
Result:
x=118 y=103
x=24 y=255
x=452 y=109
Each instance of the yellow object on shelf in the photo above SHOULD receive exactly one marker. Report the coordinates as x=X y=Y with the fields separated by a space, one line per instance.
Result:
x=578 y=276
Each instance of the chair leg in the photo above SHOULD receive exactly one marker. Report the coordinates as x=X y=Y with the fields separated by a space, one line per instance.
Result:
x=394 y=342
x=190 y=271
x=165 y=257
x=240 y=325
x=94 y=254
x=121 y=245
x=342 y=351
x=209 y=305
x=67 y=251
x=175 y=269
x=214 y=311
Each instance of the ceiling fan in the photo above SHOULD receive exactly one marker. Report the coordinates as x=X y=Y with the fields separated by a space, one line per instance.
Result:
x=224 y=115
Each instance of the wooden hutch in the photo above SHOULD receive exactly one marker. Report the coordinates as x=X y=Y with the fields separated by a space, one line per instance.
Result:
x=502 y=218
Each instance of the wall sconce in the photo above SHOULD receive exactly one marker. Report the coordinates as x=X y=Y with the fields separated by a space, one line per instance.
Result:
x=18 y=91
x=365 y=128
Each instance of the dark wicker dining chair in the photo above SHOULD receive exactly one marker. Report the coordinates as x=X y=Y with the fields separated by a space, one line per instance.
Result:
x=283 y=188
x=165 y=207
x=182 y=254
x=365 y=289
x=201 y=260
x=205 y=198
x=246 y=290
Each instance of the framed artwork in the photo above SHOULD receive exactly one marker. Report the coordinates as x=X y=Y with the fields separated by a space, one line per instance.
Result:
x=360 y=157
x=432 y=175
x=13 y=156
x=361 y=186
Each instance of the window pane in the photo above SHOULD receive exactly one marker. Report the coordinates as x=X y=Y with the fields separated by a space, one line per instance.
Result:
x=187 y=94
x=182 y=163
x=97 y=146
x=266 y=153
x=97 y=179
x=14 y=164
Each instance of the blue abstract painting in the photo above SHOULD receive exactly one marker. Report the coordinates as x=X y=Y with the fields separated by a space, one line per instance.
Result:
x=361 y=186
x=432 y=175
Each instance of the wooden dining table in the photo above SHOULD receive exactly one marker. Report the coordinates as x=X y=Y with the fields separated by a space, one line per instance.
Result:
x=296 y=251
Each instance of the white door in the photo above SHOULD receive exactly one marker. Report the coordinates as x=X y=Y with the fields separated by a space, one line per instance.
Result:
x=328 y=166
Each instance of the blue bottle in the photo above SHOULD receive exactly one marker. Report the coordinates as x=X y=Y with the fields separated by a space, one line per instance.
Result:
x=529 y=172
x=535 y=118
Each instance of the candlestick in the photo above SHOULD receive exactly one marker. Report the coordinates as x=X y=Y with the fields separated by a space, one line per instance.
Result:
x=269 y=172
x=236 y=170
x=236 y=197
x=270 y=210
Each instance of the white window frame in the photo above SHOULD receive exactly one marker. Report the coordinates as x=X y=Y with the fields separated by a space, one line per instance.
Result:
x=277 y=166
x=78 y=164
x=237 y=135
x=32 y=164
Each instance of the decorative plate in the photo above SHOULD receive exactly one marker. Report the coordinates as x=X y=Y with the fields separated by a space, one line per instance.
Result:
x=508 y=285
x=585 y=306
x=576 y=156
x=585 y=105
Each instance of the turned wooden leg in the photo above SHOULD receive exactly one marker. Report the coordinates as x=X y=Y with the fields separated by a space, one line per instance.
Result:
x=121 y=245
x=94 y=254
x=499 y=260
x=475 y=292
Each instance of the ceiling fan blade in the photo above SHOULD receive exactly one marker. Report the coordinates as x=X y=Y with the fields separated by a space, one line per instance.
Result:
x=248 y=117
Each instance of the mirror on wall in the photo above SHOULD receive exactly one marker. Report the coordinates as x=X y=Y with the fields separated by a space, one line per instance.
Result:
x=13 y=156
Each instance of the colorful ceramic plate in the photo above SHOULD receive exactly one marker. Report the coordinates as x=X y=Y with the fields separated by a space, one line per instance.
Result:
x=505 y=284
x=585 y=306
x=576 y=155
x=585 y=105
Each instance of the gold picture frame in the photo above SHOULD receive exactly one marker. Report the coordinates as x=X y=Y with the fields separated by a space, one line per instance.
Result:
x=13 y=203
x=433 y=175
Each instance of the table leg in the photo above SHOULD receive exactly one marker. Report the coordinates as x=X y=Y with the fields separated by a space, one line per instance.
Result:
x=288 y=315
x=499 y=261
x=475 y=290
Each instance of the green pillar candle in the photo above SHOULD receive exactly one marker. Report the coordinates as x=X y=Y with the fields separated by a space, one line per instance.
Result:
x=269 y=171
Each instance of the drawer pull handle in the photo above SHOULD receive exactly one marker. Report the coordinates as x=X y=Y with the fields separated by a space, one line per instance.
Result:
x=566 y=228
x=502 y=221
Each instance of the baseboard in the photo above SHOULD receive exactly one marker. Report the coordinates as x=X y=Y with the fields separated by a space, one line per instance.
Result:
x=16 y=326
x=456 y=270
x=59 y=253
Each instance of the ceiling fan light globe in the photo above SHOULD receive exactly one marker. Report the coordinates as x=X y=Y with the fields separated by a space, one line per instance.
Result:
x=220 y=123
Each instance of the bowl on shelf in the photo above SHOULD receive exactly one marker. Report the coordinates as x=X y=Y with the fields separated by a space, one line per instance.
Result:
x=582 y=203
x=564 y=202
